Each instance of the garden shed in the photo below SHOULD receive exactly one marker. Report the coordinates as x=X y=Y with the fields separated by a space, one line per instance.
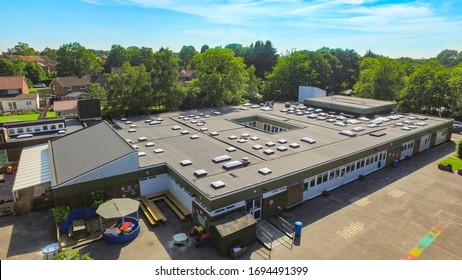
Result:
x=234 y=230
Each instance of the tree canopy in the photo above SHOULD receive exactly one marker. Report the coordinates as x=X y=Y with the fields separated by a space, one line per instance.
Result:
x=74 y=59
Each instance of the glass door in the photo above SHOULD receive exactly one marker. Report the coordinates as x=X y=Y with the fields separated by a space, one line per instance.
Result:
x=254 y=207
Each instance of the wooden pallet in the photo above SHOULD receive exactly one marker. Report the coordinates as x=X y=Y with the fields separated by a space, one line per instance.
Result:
x=153 y=210
x=147 y=214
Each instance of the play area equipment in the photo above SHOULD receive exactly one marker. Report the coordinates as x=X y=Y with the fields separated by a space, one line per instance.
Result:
x=126 y=228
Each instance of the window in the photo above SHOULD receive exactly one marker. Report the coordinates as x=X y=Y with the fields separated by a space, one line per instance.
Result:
x=68 y=89
x=331 y=174
x=306 y=186
x=358 y=164
x=352 y=167
x=53 y=127
x=324 y=177
x=83 y=87
x=376 y=157
x=13 y=91
x=367 y=161
x=60 y=125
x=11 y=131
x=337 y=172
x=45 y=127
x=362 y=162
x=348 y=169
x=20 y=130
x=12 y=105
x=28 y=103
x=319 y=180
x=37 y=128
x=29 y=129
x=312 y=182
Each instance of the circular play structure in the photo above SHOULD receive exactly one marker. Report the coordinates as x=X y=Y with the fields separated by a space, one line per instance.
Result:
x=125 y=228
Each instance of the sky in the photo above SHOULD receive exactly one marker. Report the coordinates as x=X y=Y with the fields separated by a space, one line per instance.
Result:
x=417 y=29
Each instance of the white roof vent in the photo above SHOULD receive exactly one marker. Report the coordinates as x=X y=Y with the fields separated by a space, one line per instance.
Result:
x=245 y=135
x=186 y=119
x=181 y=117
x=221 y=158
x=254 y=138
x=193 y=121
x=214 y=133
x=231 y=149
x=241 y=140
x=128 y=140
x=183 y=132
x=282 y=148
x=185 y=162
x=200 y=124
x=160 y=119
x=197 y=117
x=217 y=185
x=282 y=141
x=141 y=154
x=204 y=129
x=348 y=133
x=268 y=152
x=176 y=127
x=200 y=173
x=294 y=145
x=132 y=130
x=270 y=144
x=154 y=122
x=149 y=144
x=358 y=128
x=421 y=123
x=158 y=151
x=308 y=140
x=133 y=125
x=142 y=138
x=232 y=137
x=194 y=136
x=128 y=122
x=257 y=147
x=232 y=164
x=264 y=171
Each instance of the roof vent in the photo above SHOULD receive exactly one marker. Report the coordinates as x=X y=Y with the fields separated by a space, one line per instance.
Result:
x=217 y=185
x=149 y=144
x=185 y=162
x=308 y=140
x=282 y=148
x=183 y=132
x=132 y=130
x=231 y=149
x=265 y=171
x=294 y=145
x=128 y=122
x=176 y=127
x=270 y=144
x=221 y=158
x=377 y=134
x=282 y=141
x=406 y=128
x=180 y=116
x=159 y=119
x=142 y=138
x=154 y=122
x=200 y=124
x=232 y=137
x=194 y=136
x=232 y=164
x=193 y=121
x=214 y=133
x=254 y=138
x=358 y=128
x=268 y=152
x=204 y=129
x=200 y=173
x=242 y=140
x=245 y=135
x=133 y=125
x=257 y=147
x=421 y=123
x=348 y=133
x=158 y=151
x=141 y=154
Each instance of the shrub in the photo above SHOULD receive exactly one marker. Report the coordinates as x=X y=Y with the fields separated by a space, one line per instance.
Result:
x=60 y=213
x=98 y=198
x=71 y=254
x=459 y=148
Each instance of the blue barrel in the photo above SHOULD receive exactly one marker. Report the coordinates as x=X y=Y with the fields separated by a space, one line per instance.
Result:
x=394 y=163
x=298 y=228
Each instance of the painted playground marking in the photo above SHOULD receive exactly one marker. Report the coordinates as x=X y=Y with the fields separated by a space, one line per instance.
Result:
x=396 y=193
x=350 y=230
x=450 y=217
x=431 y=236
x=361 y=202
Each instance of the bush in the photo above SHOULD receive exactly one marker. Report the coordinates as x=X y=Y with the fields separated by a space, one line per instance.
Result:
x=60 y=214
x=71 y=254
x=98 y=198
x=459 y=148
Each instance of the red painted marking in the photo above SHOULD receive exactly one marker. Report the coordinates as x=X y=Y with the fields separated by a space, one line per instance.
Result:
x=409 y=257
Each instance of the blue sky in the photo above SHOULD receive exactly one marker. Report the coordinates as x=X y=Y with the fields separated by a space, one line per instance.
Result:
x=417 y=29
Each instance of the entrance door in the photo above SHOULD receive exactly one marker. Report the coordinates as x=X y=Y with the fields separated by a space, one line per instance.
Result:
x=254 y=207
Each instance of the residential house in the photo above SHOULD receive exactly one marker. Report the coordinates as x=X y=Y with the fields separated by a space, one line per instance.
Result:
x=48 y=64
x=185 y=76
x=11 y=86
x=20 y=102
x=62 y=86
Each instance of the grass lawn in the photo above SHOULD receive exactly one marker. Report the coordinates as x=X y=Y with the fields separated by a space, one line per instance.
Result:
x=51 y=114
x=41 y=91
x=454 y=161
x=13 y=118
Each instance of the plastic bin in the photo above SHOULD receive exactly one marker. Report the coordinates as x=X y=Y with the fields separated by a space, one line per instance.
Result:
x=298 y=228
x=394 y=163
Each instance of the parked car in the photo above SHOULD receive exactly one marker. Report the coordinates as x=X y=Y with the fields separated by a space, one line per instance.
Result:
x=39 y=85
x=457 y=126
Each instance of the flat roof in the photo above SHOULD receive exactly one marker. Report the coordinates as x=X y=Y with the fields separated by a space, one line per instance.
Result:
x=330 y=145
x=34 y=167
x=351 y=104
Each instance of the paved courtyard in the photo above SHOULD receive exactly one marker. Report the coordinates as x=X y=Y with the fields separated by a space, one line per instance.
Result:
x=411 y=211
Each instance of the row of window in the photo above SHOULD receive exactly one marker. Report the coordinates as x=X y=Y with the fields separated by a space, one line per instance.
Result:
x=272 y=128
x=409 y=145
x=35 y=129
x=341 y=171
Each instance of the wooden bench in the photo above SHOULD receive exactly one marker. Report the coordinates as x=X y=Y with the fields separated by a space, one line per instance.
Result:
x=152 y=208
x=148 y=216
x=178 y=204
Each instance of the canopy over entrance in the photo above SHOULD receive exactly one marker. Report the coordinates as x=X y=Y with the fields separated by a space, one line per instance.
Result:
x=118 y=208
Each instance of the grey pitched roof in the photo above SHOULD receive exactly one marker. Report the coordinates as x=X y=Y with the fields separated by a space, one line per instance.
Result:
x=73 y=81
x=84 y=150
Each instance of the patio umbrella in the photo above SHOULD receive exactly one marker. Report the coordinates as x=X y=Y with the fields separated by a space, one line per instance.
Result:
x=117 y=208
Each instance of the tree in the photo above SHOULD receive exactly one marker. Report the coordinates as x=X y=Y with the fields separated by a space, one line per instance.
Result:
x=34 y=72
x=345 y=74
x=459 y=148
x=447 y=58
x=117 y=56
x=96 y=91
x=22 y=49
x=454 y=97
x=290 y=72
x=74 y=59
x=204 y=48
x=71 y=254
x=186 y=56
x=50 y=53
x=164 y=80
x=11 y=68
x=129 y=93
x=380 y=78
x=238 y=49
x=261 y=55
x=140 y=56
x=252 y=86
x=220 y=78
